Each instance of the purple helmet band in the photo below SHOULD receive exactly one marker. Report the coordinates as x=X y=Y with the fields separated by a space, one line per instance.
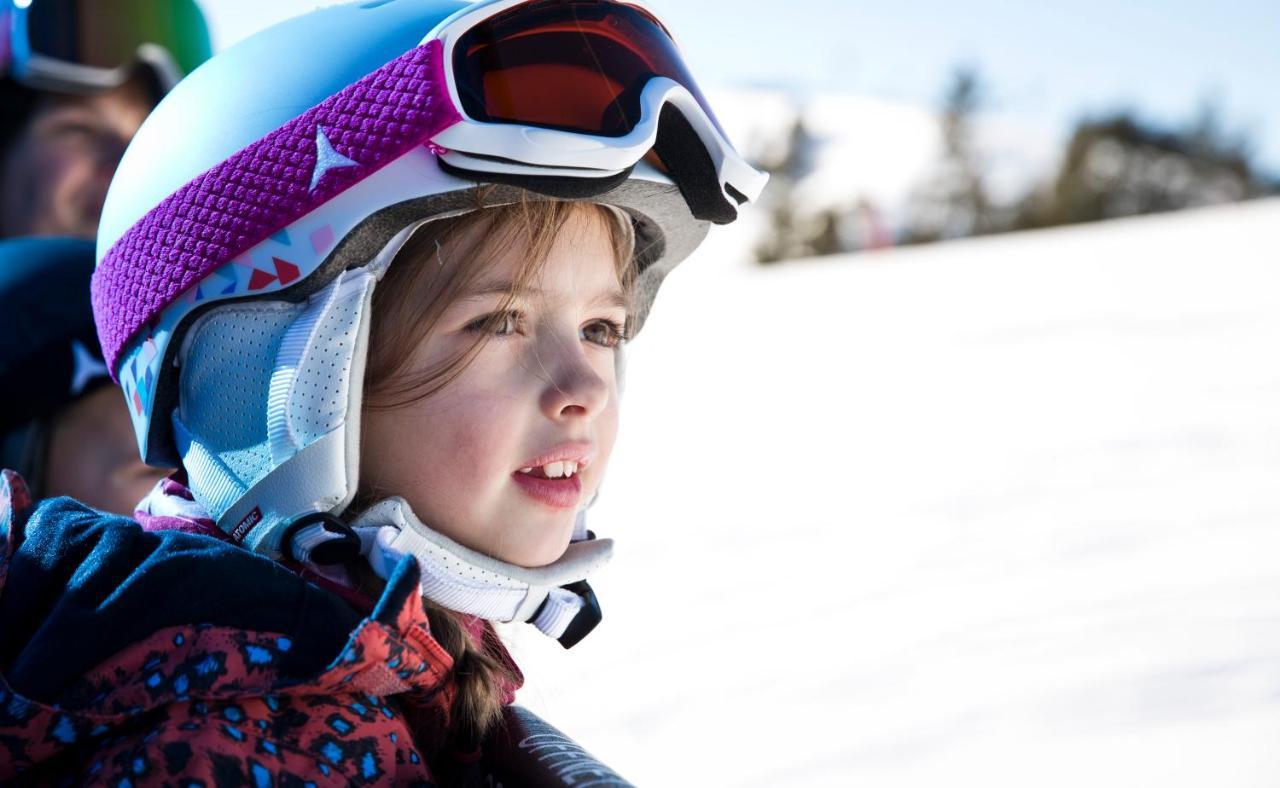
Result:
x=266 y=186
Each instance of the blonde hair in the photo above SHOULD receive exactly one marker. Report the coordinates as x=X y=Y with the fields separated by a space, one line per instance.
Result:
x=435 y=266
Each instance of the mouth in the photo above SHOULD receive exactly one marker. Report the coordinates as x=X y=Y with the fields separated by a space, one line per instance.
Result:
x=554 y=478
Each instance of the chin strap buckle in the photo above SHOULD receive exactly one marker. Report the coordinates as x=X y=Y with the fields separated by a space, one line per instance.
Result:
x=588 y=617
x=568 y=613
x=320 y=538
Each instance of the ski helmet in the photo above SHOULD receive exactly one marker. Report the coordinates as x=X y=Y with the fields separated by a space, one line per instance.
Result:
x=258 y=206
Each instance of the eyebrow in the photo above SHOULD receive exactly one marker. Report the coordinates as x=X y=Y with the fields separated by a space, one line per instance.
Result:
x=611 y=297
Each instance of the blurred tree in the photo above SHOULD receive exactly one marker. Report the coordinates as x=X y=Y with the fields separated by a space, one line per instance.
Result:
x=1120 y=165
x=1113 y=165
x=954 y=202
x=790 y=233
x=799 y=230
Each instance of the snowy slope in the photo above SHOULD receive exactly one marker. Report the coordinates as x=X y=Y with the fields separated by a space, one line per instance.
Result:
x=998 y=512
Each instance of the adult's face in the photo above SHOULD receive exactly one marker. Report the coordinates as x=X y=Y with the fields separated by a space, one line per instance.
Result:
x=56 y=172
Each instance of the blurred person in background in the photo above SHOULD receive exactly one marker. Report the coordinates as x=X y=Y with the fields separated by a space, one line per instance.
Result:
x=62 y=424
x=76 y=81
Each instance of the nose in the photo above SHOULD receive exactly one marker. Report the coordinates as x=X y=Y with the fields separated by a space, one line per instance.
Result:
x=572 y=386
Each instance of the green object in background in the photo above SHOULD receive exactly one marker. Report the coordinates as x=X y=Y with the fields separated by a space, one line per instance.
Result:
x=88 y=45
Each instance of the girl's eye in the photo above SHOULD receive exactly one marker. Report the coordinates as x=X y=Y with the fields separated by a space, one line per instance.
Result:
x=605 y=333
x=499 y=323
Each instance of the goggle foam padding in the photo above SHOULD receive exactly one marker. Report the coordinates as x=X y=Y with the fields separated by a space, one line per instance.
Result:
x=691 y=168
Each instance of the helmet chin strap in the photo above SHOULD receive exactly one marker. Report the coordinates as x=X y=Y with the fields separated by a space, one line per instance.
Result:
x=554 y=598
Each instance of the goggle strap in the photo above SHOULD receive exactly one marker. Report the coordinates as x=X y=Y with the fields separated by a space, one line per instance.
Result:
x=686 y=158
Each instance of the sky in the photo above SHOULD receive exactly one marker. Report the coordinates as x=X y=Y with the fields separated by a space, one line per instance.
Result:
x=1044 y=64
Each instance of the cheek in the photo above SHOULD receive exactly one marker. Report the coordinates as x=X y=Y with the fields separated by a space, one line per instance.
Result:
x=59 y=163
x=464 y=440
x=609 y=423
x=605 y=430
x=441 y=454
x=77 y=181
x=70 y=188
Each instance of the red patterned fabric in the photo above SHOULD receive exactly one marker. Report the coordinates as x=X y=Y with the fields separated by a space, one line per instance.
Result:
x=204 y=703
x=211 y=705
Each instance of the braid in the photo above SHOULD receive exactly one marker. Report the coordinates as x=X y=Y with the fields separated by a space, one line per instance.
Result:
x=478 y=675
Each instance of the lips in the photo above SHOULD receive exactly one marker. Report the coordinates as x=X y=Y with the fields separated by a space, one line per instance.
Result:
x=561 y=487
x=555 y=493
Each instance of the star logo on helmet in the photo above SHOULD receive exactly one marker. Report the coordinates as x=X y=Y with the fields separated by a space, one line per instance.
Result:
x=327 y=159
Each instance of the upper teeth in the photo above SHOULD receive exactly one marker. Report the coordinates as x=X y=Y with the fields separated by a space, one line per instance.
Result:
x=555 y=470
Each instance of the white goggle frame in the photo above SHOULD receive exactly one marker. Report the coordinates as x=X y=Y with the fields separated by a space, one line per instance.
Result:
x=534 y=150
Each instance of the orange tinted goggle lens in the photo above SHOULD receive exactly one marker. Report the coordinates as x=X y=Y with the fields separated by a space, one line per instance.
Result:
x=573 y=65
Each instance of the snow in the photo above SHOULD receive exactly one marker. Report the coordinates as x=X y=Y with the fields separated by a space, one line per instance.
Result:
x=997 y=512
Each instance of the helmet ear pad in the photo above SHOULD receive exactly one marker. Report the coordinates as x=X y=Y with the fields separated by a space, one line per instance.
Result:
x=268 y=416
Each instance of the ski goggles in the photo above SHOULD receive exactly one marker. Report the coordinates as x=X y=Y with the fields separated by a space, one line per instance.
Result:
x=578 y=88
x=85 y=45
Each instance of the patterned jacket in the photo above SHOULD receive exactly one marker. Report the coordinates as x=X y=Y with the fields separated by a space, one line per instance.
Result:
x=130 y=657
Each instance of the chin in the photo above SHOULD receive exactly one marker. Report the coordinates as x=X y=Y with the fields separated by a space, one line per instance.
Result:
x=541 y=553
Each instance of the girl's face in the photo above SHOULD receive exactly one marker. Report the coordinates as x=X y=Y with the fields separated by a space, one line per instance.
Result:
x=541 y=392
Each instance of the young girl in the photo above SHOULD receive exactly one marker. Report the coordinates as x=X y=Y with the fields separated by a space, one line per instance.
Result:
x=367 y=290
